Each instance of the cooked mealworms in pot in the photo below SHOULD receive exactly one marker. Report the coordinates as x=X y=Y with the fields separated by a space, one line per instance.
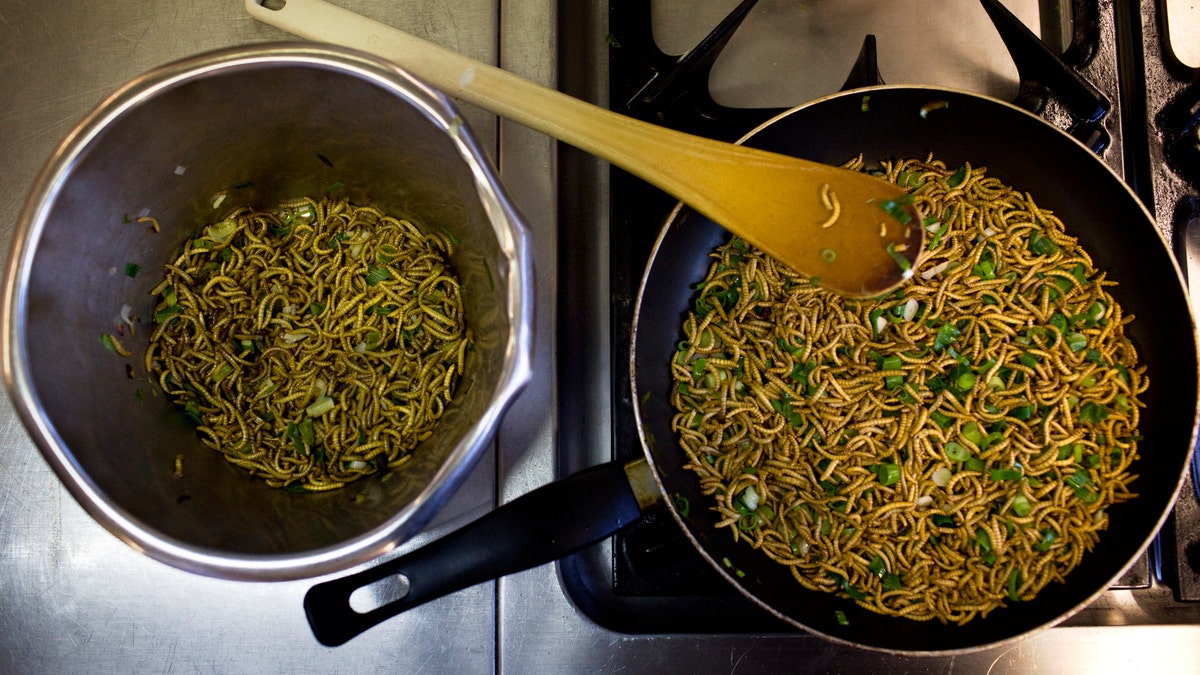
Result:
x=313 y=343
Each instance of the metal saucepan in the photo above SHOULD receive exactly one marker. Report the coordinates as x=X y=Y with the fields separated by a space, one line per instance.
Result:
x=184 y=144
x=1016 y=147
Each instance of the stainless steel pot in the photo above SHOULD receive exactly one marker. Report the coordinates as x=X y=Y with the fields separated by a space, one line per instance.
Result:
x=183 y=144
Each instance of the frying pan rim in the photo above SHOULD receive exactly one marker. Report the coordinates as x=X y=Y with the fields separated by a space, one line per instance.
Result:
x=727 y=574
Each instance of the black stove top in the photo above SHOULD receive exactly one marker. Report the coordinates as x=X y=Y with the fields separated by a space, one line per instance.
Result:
x=1113 y=78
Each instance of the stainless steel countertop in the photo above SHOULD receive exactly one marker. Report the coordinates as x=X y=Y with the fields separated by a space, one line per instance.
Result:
x=74 y=599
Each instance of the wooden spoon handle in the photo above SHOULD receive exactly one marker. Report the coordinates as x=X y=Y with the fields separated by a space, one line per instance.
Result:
x=643 y=149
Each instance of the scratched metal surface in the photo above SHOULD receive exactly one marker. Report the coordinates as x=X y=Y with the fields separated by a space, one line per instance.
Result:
x=72 y=597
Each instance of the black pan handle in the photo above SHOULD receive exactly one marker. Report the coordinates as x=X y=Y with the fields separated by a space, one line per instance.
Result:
x=546 y=524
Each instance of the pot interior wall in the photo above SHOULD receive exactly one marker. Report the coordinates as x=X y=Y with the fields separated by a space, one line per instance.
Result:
x=257 y=135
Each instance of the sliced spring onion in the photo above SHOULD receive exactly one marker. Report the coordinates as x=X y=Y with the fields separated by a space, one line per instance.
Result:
x=1092 y=412
x=892 y=582
x=941 y=476
x=322 y=405
x=1040 y=244
x=878 y=322
x=682 y=505
x=935 y=270
x=306 y=432
x=1079 y=479
x=222 y=371
x=749 y=497
x=1075 y=341
x=947 y=334
x=783 y=407
x=972 y=433
x=850 y=590
x=941 y=419
x=1021 y=506
x=1021 y=412
x=1005 y=474
x=877 y=566
x=957 y=452
x=840 y=617
x=983 y=539
x=1014 y=583
x=985 y=270
x=889 y=474
x=965 y=381
x=222 y=232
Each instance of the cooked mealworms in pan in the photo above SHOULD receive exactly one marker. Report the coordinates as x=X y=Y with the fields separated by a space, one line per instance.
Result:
x=934 y=453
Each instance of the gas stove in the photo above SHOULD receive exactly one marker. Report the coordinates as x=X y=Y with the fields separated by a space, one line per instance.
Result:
x=1104 y=72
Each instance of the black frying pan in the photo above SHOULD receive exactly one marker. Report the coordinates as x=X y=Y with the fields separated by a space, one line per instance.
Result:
x=1016 y=147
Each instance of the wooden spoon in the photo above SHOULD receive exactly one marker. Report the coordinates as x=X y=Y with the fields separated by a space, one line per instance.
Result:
x=843 y=228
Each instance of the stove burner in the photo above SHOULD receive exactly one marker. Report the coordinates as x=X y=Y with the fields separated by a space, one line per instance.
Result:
x=1180 y=122
x=1046 y=76
x=672 y=91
